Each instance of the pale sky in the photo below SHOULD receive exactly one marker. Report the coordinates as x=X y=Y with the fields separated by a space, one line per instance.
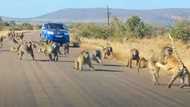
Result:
x=33 y=8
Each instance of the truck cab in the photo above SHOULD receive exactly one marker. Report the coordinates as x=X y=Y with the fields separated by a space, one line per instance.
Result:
x=56 y=32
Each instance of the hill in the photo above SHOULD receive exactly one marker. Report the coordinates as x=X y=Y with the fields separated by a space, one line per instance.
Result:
x=158 y=16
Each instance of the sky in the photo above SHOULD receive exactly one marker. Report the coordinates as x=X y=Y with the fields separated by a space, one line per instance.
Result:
x=33 y=8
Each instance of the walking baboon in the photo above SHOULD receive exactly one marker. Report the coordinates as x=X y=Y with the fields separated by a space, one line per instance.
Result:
x=55 y=52
x=20 y=35
x=50 y=49
x=26 y=48
x=97 y=56
x=153 y=68
x=133 y=56
x=84 y=58
x=1 y=41
x=66 y=49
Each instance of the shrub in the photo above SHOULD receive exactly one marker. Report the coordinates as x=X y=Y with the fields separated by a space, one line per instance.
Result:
x=181 y=30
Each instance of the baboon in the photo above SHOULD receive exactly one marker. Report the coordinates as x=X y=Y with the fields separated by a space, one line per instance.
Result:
x=50 y=49
x=1 y=41
x=108 y=51
x=55 y=52
x=167 y=61
x=20 y=35
x=178 y=69
x=133 y=56
x=84 y=58
x=66 y=49
x=24 y=48
x=143 y=63
x=165 y=51
x=153 y=69
x=157 y=58
x=97 y=56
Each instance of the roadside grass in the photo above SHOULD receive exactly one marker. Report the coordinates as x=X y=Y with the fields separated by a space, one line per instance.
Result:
x=145 y=46
x=5 y=32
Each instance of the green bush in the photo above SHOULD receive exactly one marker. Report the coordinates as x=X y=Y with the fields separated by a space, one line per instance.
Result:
x=118 y=29
x=181 y=30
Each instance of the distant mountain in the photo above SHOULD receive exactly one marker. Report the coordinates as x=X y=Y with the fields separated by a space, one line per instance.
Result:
x=158 y=16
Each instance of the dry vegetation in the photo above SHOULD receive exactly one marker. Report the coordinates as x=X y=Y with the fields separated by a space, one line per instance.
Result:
x=145 y=46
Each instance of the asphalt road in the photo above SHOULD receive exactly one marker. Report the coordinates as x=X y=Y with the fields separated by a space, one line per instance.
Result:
x=47 y=84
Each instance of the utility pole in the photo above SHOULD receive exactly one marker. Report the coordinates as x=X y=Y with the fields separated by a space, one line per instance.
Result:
x=108 y=21
x=108 y=15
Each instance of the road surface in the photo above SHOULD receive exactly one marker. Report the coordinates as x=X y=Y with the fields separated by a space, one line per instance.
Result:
x=47 y=84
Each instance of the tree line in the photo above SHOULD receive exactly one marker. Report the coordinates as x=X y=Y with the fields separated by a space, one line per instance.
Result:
x=12 y=25
x=133 y=27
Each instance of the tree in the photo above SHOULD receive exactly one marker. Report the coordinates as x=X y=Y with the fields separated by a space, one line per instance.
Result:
x=118 y=29
x=181 y=30
x=1 y=20
x=27 y=26
x=12 y=23
x=135 y=27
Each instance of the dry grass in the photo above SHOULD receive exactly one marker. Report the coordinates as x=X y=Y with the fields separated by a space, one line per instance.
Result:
x=4 y=33
x=121 y=49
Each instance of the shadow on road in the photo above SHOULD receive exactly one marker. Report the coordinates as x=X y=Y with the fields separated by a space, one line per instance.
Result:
x=69 y=61
x=114 y=65
x=108 y=70
x=44 y=60
x=4 y=50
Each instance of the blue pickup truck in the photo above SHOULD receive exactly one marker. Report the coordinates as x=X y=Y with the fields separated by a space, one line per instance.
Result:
x=55 y=32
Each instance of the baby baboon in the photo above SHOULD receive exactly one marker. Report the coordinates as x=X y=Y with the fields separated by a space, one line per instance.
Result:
x=133 y=56
x=143 y=63
x=84 y=58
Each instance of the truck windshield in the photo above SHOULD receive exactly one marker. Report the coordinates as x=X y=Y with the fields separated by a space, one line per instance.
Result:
x=54 y=26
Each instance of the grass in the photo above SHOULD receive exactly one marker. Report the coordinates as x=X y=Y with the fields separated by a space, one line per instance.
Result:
x=145 y=46
x=4 y=33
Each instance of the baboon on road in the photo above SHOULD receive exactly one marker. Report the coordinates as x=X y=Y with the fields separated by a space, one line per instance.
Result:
x=1 y=41
x=55 y=52
x=167 y=61
x=20 y=35
x=84 y=58
x=133 y=56
x=157 y=57
x=97 y=56
x=26 y=48
x=178 y=69
x=153 y=69
x=49 y=49
x=143 y=63
x=66 y=49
